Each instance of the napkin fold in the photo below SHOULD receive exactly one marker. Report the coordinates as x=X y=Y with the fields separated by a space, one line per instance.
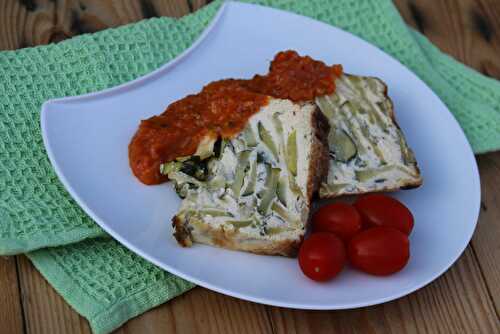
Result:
x=98 y=277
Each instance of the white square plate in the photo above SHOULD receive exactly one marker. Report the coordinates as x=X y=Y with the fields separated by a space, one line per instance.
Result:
x=86 y=138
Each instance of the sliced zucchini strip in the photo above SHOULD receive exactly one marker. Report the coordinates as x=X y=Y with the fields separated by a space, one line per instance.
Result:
x=270 y=191
x=240 y=172
x=249 y=136
x=343 y=146
x=252 y=179
x=266 y=137
x=291 y=153
x=282 y=190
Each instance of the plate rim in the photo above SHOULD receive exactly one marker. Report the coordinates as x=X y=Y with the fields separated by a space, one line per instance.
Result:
x=261 y=300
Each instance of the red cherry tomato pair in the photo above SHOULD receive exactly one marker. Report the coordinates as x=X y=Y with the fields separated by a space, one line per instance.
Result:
x=382 y=210
x=375 y=230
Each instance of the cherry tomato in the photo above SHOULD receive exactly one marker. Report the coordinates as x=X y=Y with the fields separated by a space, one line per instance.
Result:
x=379 y=250
x=322 y=256
x=382 y=210
x=342 y=219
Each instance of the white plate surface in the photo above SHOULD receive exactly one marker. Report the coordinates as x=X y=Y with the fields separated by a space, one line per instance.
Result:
x=86 y=138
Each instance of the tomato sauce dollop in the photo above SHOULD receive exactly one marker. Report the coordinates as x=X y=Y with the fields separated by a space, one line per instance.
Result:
x=297 y=78
x=222 y=109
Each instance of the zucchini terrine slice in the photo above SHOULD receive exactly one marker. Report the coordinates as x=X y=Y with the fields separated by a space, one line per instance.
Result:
x=368 y=151
x=254 y=193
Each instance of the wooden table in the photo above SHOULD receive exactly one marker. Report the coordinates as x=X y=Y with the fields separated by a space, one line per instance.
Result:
x=466 y=299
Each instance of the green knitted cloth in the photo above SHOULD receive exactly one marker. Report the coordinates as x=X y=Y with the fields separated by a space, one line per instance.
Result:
x=101 y=279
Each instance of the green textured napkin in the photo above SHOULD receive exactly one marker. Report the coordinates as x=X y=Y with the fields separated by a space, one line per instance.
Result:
x=102 y=280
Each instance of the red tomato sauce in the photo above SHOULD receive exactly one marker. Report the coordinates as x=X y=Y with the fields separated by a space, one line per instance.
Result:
x=296 y=78
x=222 y=109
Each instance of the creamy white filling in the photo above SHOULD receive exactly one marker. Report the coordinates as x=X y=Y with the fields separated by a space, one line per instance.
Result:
x=360 y=108
x=292 y=117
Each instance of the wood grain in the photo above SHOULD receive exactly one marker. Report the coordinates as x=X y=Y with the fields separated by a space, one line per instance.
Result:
x=486 y=238
x=455 y=303
x=25 y=24
x=37 y=22
x=11 y=315
x=198 y=311
x=45 y=312
x=203 y=311
x=466 y=299
x=197 y=4
x=469 y=30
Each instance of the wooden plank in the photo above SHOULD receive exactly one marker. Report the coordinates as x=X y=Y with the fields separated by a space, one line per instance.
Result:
x=45 y=312
x=30 y=23
x=486 y=238
x=75 y=17
x=469 y=30
x=11 y=315
x=25 y=23
x=176 y=8
x=197 y=311
x=202 y=311
x=197 y=4
x=10 y=19
x=455 y=303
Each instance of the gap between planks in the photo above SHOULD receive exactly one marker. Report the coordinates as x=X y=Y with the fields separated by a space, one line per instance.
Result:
x=11 y=315
x=45 y=311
